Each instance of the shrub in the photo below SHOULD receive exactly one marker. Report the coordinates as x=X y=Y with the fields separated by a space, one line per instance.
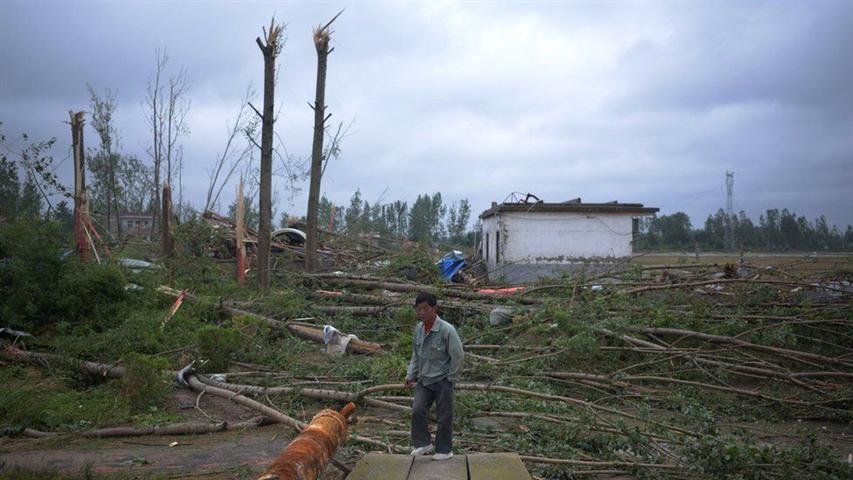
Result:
x=40 y=286
x=216 y=345
x=144 y=384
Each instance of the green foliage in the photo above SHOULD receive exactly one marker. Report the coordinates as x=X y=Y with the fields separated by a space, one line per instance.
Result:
x=217 y=345
x=405 y=319
x=726 y=456
x=415 y=264
x=425 y=218
x=41 y=288
x=145 y=383
x=9 y=188
x=26 y=201
x=25 y=401
x=18 y=473
x=290 y=303
x=251 y=214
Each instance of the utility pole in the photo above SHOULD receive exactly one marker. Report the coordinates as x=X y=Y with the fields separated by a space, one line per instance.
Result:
x=730 y=186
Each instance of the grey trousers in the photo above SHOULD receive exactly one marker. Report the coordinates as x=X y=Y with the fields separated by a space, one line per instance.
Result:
x=441 y=393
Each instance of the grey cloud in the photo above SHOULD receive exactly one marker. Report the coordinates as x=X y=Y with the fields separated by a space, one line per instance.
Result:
x=606 y=101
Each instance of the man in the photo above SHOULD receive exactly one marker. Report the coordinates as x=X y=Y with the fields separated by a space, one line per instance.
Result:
x=434 y=369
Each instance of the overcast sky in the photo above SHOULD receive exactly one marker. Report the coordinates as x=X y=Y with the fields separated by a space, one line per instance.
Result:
x=636 y=102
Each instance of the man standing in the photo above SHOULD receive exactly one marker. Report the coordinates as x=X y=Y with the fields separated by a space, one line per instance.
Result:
x=434 y=369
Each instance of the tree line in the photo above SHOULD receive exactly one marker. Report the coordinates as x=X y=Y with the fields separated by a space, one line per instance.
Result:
x=428 y=219
x=776 y=230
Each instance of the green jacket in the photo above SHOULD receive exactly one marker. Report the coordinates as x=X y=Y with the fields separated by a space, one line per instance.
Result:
x=437 y=355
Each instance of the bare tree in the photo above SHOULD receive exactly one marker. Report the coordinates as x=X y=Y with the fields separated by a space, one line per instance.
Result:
x=135 y=180
x=322 y=35
x=155 y=118
x=166 y=113
x=103 y=108
x=80 y=204
x=270 y=48
x=176 y=115
x=166 y=228
x=231 y=156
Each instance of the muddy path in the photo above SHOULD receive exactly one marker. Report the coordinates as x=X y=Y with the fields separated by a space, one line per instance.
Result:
x=226 y=455
x=232 y=454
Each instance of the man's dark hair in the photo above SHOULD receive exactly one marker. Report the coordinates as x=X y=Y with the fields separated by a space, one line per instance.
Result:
x=426 y=297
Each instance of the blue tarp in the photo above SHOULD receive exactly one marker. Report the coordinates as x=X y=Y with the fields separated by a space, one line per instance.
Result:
x=450 y=264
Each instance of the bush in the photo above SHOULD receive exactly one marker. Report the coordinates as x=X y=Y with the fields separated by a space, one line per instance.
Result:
x=40 y=286
x=144 y=383
x=216 y=345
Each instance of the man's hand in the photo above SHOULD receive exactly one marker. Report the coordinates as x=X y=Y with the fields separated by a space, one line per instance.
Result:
x=410 y=383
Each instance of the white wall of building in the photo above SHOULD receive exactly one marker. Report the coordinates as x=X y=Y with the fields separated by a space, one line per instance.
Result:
x=556 y=238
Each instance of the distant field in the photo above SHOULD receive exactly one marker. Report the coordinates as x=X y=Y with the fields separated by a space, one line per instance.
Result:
x=800 y=261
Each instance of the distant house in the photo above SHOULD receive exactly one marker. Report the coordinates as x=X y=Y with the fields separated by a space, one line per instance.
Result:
x=136 y=225
x=522 y=242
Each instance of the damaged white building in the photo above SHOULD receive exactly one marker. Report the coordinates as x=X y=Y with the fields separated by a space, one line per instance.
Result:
x=522 y=242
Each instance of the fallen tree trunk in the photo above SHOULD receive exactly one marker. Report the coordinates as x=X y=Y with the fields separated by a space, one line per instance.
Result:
x=316 y=335
x=589 y=463
x=734 y=280
x=354 y=298
x=744 y=370
x=783 y=352
x=98 y=370
x=627 y=379
x=482 y=387
x=349 y=310
x=309 y=333
x=274 y=414
x=314 y=393
x=408 y=287
x=169 y=429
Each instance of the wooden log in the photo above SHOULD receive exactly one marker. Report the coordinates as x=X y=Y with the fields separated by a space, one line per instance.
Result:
x=410 y=287
x=783 y=352
x=313 y=393
x=272 y=413
x=303 y=331
x=94 y=369
x=364 y=311
x=189 y=428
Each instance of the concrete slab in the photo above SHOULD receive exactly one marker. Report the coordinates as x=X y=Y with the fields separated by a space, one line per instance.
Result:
x=425 y=468
x=380 y=466
x=496 y=466
x=480 y=466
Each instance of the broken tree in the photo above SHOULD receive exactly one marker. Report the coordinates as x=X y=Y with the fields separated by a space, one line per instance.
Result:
x=322 y=35
x=80 y=209
x=270 y=48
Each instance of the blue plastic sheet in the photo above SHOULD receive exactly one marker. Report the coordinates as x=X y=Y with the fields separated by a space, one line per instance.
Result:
x=450 y=264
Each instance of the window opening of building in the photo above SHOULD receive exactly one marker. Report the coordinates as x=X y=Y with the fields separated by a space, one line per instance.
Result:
x=487 y=246
x=497 y=247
